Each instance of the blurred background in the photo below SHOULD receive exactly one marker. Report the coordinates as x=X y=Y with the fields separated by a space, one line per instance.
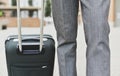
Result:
x=30 y=11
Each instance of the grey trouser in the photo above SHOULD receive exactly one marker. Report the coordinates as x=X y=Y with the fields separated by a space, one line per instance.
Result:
x=96 y=27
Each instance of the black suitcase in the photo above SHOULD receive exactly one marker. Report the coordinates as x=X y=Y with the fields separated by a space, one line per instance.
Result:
x=30 y=55
x=30 y=62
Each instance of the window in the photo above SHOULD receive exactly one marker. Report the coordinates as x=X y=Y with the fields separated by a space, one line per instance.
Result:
x=14 y=12
x=30 y=2
x=25 y=13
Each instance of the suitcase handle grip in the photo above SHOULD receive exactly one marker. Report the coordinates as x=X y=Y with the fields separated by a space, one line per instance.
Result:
x=19 y=25
x=27 y=39
x=34 y=39
x=30 y=49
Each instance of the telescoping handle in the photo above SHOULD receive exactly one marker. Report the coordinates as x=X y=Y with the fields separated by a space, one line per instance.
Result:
x=19 y=25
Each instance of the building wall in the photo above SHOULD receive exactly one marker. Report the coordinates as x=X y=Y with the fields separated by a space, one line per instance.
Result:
x=5 y=1
x=6 y=5
x=112 y=11
x=117 y=11
x=111 y=14
x=26 y=21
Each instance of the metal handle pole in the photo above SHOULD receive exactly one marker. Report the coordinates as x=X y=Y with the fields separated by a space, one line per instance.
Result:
x=41 y=25
x=19 y=25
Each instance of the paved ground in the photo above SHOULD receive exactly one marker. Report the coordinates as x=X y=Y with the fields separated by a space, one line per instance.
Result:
x=81 y=62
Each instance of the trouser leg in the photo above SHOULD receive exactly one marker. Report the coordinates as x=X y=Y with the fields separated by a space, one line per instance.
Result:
x=95 y=19
x=65 y=14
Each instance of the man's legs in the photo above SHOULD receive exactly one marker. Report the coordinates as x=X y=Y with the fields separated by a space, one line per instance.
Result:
x=65 y=14
x=95 y=18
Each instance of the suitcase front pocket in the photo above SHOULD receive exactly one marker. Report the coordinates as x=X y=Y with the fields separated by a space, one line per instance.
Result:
x=24 y=70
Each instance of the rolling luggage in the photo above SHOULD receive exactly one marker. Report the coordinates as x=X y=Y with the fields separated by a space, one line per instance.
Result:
x=30 y=55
